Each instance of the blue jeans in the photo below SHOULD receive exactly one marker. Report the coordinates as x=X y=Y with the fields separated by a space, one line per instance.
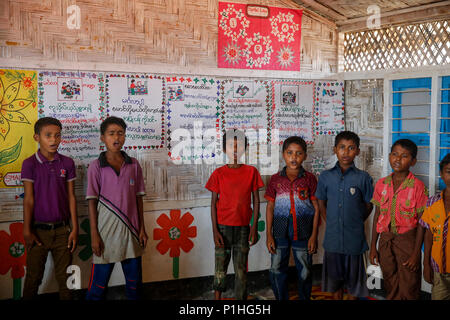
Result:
x=100 y=274
x=280 y=263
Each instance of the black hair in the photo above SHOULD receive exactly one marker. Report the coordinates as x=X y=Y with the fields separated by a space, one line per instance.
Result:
x=112 y=120
x=346 y=135
x=296 y=140
x=408 y=145
x=444 y=162
x=46 y=121
x=236 y=134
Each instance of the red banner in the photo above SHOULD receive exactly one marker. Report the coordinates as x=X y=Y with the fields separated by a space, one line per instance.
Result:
x=258 y=37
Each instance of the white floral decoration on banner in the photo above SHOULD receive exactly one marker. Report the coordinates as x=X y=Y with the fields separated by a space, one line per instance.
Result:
x=285 y=56
x=283 y=27
x=232 y=53
x=258 y=50
x=233 y=23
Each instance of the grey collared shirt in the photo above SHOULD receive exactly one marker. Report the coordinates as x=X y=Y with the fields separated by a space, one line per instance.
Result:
x=346 y=195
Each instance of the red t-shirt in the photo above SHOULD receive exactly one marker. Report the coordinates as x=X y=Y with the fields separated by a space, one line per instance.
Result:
x=235 y=187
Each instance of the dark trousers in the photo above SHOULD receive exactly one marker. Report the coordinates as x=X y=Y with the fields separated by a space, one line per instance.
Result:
x=235 y=241
x=101 y=273
x=394 y=249
x=54 y=241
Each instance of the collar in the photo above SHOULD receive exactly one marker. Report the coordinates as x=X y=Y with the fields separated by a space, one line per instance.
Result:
x=338 y=167
x=104 y=162
x=40 y=157
x=301 y=173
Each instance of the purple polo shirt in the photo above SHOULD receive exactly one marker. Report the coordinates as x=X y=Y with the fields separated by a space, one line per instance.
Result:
x=49 y=178
x=118 y=192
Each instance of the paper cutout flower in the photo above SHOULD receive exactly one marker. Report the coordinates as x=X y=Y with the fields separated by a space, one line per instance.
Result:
x=258 y=50
x=232 y=53
x=283 y=27
x=175 y=234
x=10 y=105
x=13 y=255
x=285 y=56
x=233 y=23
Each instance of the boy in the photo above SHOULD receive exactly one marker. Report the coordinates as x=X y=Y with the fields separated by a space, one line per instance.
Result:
x=436 y=261
x=292 y=217
x=344 y=194
x=115 y=190
x=232 y=187
x=400 y=200
x=48 y=208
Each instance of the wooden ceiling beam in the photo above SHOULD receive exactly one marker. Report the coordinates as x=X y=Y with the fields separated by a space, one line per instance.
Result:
x=321 y=9
x=430 y=12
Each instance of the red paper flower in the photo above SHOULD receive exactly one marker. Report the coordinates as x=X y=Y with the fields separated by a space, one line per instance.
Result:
x=12 y=251
x=27 y=83
x=175 y=233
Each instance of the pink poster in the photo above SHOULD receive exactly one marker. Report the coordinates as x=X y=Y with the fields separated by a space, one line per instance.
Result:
x=258 y=37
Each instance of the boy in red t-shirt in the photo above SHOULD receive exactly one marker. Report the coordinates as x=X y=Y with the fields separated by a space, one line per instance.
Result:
x=232 y=187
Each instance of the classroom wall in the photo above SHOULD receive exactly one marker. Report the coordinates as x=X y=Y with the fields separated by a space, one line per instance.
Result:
x=171 y=36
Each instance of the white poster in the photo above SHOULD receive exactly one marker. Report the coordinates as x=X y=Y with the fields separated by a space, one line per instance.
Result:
x=139 y=100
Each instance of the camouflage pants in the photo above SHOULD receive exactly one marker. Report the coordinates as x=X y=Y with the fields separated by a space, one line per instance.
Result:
x=236 y=242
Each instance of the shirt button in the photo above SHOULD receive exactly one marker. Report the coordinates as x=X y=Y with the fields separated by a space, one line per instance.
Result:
x=340 y=190
x=340 y=205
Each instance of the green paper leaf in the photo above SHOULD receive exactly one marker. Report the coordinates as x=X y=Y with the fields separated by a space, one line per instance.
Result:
x=11 y=154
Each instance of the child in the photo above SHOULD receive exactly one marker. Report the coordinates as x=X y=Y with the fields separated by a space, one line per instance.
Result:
x=232 y=187
x=436 y=262
x=292 y=217
x=48 y=208
x=115 y=190
x=400 y=200
x=344 y=194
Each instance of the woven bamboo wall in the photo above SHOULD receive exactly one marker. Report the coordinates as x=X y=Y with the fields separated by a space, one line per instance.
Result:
x=173 y=33
x=141 y=35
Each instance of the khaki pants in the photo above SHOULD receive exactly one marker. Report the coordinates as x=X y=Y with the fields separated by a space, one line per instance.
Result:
x=54 y=241
x=441 y=286
x=395 y=249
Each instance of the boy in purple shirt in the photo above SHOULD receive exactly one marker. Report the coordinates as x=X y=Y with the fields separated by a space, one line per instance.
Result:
x=49 y=205
x=115 y=190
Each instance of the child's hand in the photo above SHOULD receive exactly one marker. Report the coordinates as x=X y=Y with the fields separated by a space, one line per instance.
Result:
x=270 y=242
x=374 y=257
x=72 y=241
x=30 y=238
x=428 y=273
x=253 y=236
x=312 y=245
x=218 y=240
x=412 y=263
x=143 y=238
x=97 y=244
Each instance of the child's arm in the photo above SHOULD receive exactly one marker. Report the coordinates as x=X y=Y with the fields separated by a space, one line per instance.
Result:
x=427 y=271
x=270 y=242
x=312 y=243
x=253 y=236
x=218 y=240
x=373 y=253
x=369 y=208
x=96 y=241
x=28 y=206
x=73 y=237
x=323 y=209
x=413 y=262
x=143 y=237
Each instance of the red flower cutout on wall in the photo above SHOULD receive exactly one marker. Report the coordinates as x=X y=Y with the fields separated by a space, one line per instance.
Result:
x=12 y=251
x=13 y=256
x=175 y=234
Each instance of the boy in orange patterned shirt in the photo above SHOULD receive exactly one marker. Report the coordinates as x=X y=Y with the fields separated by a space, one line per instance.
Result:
x=436 y=261
x=400 y=200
